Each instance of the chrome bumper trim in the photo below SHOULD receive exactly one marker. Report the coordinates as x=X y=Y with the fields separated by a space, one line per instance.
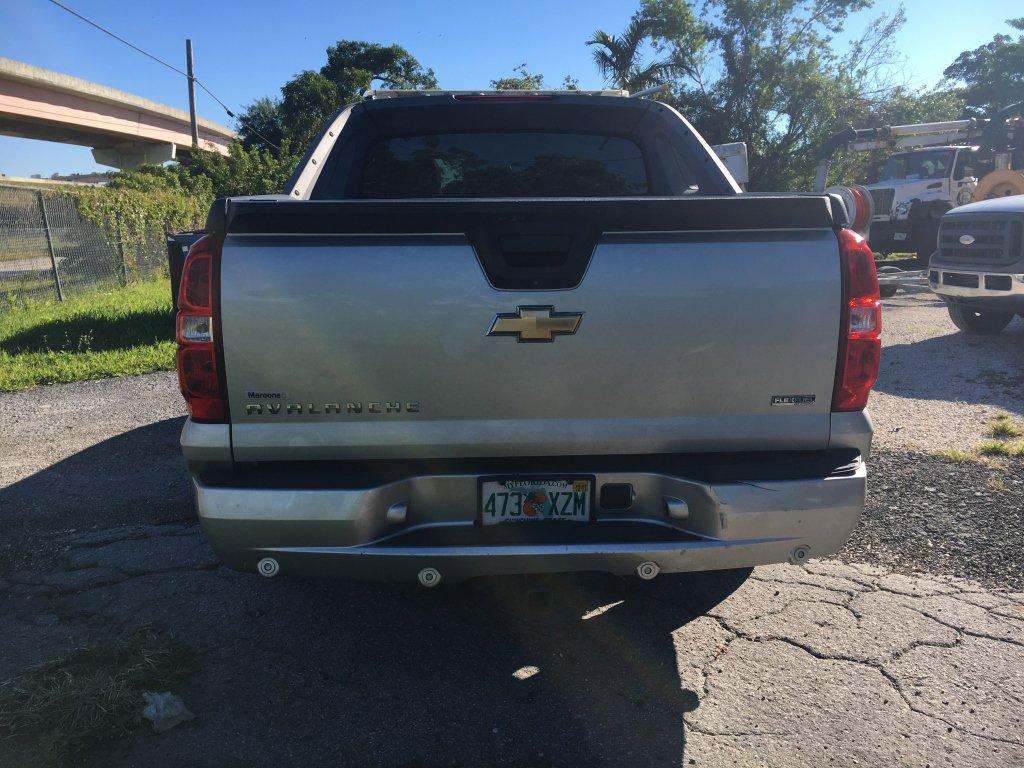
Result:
x=344 y=532
x=940 y=287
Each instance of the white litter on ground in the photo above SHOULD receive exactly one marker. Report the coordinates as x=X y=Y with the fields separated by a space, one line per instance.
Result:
x=165 y=710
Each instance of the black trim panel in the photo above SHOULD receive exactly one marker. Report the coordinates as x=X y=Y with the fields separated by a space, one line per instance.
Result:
x=522 y=534
x=622 y=214
x=750 y=467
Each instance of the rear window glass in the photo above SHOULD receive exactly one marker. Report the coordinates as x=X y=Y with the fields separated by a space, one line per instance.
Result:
x=504 y=165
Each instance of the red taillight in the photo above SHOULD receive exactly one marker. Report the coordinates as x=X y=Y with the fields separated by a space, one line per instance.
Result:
x=860 y=337
x=198 y=333
x=196 y=291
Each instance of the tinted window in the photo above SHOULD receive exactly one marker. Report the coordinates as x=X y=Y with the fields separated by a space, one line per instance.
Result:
x=504 y=165
x=966 y=164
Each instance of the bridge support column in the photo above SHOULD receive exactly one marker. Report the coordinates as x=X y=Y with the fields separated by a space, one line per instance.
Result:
x=128 y=157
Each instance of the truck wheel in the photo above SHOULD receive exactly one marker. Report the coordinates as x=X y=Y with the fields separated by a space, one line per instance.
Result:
x=979 y=321
x=887 y=291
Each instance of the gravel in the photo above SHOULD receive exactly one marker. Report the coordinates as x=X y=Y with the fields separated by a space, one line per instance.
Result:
x=937 y=390
x=42 y=425
x=937 y=387
x=932 y=514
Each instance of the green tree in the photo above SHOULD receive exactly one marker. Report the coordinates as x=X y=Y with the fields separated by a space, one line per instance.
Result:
x=992 y=74
x=353 y=66
x=521 y=79
x=161 y=178
x=152 y=199
x=764 y=72
x=904 y=105
x=310 y=98
x=307 y=102
x=262 y=124
x=244 y=171
x=625 y=60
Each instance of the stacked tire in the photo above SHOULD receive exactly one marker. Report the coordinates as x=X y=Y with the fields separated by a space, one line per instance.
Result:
x=859 y=206
x=1002 y=183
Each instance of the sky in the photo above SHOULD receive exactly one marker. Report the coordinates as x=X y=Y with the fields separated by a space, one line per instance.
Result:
x=245 y=50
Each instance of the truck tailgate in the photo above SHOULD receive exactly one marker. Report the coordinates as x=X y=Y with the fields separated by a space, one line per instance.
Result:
x=360 y=329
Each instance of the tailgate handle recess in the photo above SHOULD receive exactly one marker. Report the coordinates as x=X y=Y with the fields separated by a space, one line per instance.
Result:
x=534 y=255
x=523 y=251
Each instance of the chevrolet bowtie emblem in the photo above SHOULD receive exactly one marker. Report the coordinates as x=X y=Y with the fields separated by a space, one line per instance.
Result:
x=535 y=323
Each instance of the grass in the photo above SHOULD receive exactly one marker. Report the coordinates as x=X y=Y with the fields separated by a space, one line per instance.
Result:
x=1004 y=445
x=1001 y=427
x=995 y=448
x=112 y=333
x=955 y=454
x=985 y=452
x=56 y=712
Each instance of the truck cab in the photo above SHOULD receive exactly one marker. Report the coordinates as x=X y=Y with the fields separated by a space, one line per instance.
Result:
x=912 y=193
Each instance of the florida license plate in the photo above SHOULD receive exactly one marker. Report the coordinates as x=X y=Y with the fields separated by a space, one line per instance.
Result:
x=521 y=500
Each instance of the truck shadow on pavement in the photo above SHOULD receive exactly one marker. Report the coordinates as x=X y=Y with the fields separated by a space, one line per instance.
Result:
x=309 y=672
x=297 y=672
x=135 y=477
x=343 y=673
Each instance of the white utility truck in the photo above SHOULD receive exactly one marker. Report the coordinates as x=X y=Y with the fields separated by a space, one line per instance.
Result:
x=943 y=165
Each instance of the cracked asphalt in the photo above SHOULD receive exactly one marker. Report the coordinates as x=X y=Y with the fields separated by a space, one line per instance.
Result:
x=828 y=664
x=896 y=653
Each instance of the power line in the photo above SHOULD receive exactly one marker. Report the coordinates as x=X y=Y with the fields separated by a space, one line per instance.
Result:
x=157 y=59
x=131 y=45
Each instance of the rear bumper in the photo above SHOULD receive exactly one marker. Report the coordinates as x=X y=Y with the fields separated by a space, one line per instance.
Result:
x=347 y=531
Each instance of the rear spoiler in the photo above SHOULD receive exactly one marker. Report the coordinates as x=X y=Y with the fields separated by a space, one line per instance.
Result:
x=278 y=215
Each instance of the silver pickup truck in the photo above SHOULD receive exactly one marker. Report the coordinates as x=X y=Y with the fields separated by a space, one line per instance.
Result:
x=495 y=333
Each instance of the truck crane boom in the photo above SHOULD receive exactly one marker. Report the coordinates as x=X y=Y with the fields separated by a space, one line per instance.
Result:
x=933 y=168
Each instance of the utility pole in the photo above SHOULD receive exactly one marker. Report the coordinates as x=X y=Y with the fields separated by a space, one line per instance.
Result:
x=191 y=93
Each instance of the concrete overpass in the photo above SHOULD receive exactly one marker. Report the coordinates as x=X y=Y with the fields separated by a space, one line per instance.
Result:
x=123 y=130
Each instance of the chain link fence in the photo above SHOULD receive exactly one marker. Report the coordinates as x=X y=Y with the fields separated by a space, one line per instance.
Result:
x=47 y=250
